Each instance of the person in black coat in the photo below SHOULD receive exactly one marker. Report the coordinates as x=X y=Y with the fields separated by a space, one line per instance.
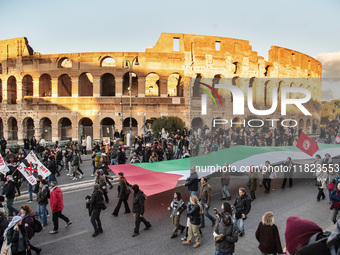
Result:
x=242 y=207
x=33 y=143
x=96 y=204
x=138 y=208
x=17 y=236
x=121 y=156
x=26 y=144
x=3 y=226
x=10 y=195
x=192 y=181
x=3 y=144
x=123 y=194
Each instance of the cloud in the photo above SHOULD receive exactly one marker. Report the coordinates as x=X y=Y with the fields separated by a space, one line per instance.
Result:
x=330 y=64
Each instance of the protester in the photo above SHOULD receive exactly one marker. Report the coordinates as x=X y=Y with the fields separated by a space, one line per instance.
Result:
x=195 y=220
x=335 y=207
x=10 y=195
x=96 y=204
x=28 y=221
x=268 y=236
x=3 y=226
x=100 y=179
x=205 y=199
x=16 y=235
x=252 y=182
x=57 y=206
x=321 y=179
x=43 y=196
x=138 y=207
x=225 y=179
x=299 y=232
x=123 y=194
x=177 y=206
x=242 y=208
x=192 y=181
x=266 y=171
x=228 y=236
x=288 y=173
x=226 y=209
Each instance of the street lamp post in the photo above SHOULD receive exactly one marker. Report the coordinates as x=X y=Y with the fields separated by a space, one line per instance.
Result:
x=129 y=65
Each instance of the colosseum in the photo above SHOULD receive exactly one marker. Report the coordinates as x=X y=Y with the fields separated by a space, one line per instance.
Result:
x=66 y=96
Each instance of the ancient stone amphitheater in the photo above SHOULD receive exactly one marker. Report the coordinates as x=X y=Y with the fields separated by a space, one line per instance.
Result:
x=66 y=96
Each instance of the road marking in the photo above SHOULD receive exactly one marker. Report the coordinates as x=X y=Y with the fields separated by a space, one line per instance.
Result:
x=64 y=237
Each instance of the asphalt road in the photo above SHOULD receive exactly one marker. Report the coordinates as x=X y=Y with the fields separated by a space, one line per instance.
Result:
x=116 y=239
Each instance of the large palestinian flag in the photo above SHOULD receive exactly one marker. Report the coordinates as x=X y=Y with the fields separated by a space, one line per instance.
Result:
x=161 y=176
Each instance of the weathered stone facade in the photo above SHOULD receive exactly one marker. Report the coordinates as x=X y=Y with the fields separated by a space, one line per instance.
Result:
x=52 y=93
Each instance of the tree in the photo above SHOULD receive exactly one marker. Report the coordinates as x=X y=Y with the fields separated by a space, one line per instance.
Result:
x=170 y=124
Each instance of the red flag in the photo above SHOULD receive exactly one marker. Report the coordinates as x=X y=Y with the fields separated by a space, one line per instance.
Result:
x=307 y=145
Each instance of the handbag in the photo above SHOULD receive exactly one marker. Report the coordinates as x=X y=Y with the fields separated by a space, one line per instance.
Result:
x=6 y=249
x=318 y=183
x=272 y=175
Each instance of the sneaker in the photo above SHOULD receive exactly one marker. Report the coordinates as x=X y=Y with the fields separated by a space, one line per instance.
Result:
x=100 y=230
x=224 y=198
x=241 y=234
x=92 y=175
x=68 y=223
x=173 y=236
x=54 y=232
x=95 y=233
x=147 y=228
x=67 y=174
x=183 y=238
x=135 y=234
x=74 y=179
x=29 y=201
x=80 y=176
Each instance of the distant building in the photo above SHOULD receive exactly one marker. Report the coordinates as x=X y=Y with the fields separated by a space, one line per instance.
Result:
x=66 y=96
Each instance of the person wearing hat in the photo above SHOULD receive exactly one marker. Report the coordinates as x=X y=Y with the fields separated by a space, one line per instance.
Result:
x=57 y=206
x=139 y=209
x=299 y=232
x=16 y=235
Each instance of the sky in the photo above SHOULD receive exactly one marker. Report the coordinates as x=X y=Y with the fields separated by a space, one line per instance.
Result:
x=68 y=26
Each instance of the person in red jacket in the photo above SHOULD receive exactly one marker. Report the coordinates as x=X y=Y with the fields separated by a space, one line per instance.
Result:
x=57 y=206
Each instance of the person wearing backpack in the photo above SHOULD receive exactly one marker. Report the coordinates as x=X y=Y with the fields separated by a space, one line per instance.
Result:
x=242 y=207
x=96 y=204
x=31 y=223
x=123 y=194
x=304 y=237
x=43 y=196
x=228 y=236
x=268 y=236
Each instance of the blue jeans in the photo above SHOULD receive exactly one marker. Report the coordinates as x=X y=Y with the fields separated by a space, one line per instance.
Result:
x=220 y=253
x=42 y=213
x=192 y=192
x=225 y=192
x=114 y=161
x=241 y=228
x=206 y=213
x=4 y=188
x=10 y=207
x=30 y=191
x=51 y=178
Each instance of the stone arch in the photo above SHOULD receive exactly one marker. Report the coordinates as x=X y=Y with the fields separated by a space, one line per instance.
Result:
x=45 y=85
x=268 y=89
x=197 y=123
x=45 y=126
x=85 y=127
x=107 y=127
x=107 y=62
x=85 y=85
x=309 y=126
x=281 y=85
x=64 y=129
x=197 y=92
x=237 y=68
x=152 y=84
x=216 y=80
x=65 y=63
x=126 y=126
x=12 y=129
x=27 y=86
x=126 y=84
x=12 y=90
x=235 y=81
x=0 y=91
x=107 y=85
x=301 y=124
x=1 y=128
x=28 y=127
x=268 y=70
x=175 y=85
x=64 y=86
x=257 y=93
